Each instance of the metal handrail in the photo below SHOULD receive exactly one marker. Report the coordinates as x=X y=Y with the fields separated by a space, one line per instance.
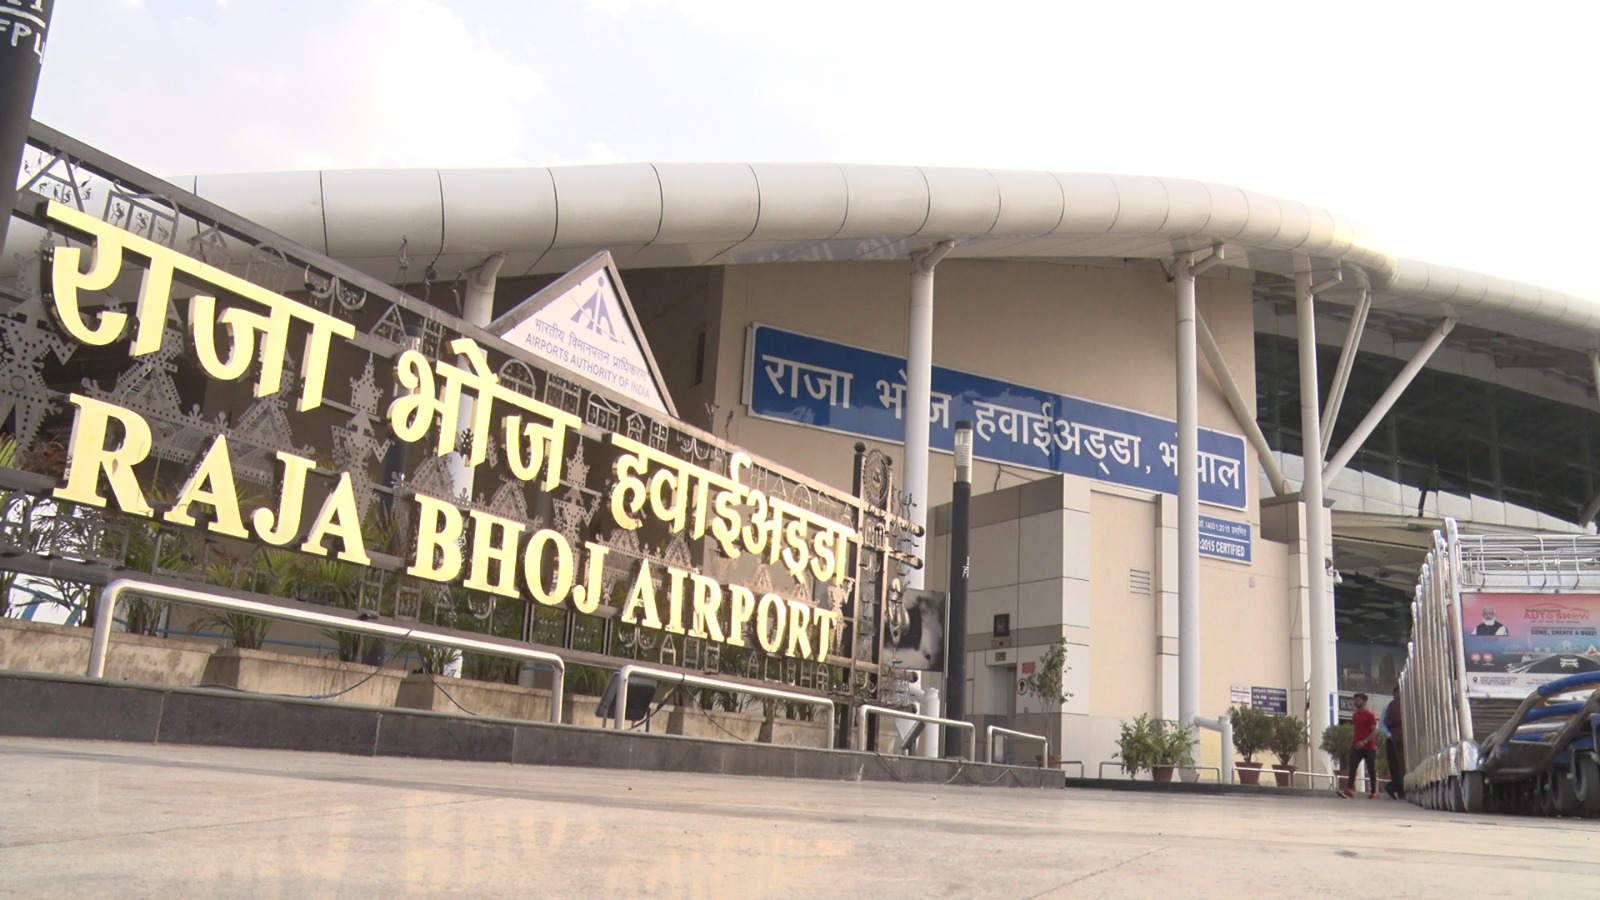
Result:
x=106 y=605
x=992 y=731
x=1118 y=762
x=1312 y=775
x=664 y=675
x=972 y=730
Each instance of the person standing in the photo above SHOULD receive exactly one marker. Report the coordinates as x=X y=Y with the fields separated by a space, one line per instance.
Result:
x=1363 y=748
x=1393 y=724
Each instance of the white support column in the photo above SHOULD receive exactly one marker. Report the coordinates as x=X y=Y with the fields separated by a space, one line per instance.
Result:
x=1385 y=402
x=1323 y=678
x=919 y=395
x=477 y=308
x=1188 y=499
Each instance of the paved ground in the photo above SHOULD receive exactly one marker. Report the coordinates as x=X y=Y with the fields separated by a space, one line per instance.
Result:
x=102 y=819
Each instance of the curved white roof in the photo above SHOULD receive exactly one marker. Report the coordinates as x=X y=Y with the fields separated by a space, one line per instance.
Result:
x=686 y=214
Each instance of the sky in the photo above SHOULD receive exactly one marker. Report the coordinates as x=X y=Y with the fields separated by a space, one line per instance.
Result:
x=1461 y=133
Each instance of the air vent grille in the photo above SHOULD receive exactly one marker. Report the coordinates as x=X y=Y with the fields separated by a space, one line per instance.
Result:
x=1139 y=582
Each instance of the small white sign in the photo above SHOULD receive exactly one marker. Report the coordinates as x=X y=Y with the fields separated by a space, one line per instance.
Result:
x=585 y=330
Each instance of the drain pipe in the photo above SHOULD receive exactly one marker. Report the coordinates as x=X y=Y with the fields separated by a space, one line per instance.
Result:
x=919 y=397
x=477 y=307
x=1224 y=726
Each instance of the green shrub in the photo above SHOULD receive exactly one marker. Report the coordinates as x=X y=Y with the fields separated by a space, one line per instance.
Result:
x=1146 y=743
x=1288 y=738
x=1252 y=731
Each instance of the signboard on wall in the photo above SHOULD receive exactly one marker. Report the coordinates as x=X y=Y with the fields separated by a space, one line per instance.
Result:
x=1271 y=699
x=1225 y=539
x=805 y=380
x=1515 y=642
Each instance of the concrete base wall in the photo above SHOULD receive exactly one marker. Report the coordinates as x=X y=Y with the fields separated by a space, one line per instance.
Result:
x=482 y=698
x=265 y=672
x=64 y=650
x=85 y=709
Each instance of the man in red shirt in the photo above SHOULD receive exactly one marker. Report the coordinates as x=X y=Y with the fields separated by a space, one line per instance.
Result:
x=1364 y=748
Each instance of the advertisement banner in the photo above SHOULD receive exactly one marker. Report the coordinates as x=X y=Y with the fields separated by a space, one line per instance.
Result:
x=1516 y=642
x=810 y=381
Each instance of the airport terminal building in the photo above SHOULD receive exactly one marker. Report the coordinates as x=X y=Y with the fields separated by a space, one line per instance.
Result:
x=1151 y=367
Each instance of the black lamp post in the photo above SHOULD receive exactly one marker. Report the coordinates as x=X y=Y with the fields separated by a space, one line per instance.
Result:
x=23 y=24
x=955 y=667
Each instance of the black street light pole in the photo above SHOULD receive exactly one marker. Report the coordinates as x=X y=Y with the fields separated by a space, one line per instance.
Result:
x=955 y=685
x=23 y=24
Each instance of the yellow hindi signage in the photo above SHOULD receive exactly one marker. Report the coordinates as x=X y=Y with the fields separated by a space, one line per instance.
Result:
x=238 y=331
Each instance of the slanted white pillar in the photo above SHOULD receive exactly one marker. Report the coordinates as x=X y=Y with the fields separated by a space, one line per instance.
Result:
x=919 y=395
x=1244 y=412
x=1386 y=401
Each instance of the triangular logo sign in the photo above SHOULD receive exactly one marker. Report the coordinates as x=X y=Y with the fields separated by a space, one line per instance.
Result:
x=595 y=316
x=584 y=324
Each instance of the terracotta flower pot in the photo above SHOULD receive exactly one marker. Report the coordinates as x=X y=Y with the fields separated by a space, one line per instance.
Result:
x=1284 y=775
x=1249 y=772
x=1163 y=773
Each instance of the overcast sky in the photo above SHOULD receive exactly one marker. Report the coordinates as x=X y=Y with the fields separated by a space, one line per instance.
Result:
x=1463 y=133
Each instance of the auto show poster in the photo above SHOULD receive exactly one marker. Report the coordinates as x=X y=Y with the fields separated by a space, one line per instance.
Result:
x=1516 y=642
x=795 y=378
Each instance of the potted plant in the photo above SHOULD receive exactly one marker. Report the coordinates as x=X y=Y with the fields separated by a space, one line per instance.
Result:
x=1288 y=738
x=1336 y=742
x=1252 y=734
x=1048 y=683
x=1155 y=745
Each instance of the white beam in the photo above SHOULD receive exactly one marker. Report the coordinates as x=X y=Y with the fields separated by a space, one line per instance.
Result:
x=1243 y=412
x=1385 y=402
x=1347 y=358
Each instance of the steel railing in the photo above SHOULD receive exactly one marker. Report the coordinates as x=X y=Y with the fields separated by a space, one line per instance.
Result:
x=971 y=729
x=106 y=605
x=1176 y=769
x=994 y=731
x=662 y=675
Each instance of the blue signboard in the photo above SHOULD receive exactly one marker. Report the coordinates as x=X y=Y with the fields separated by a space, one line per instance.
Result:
x=1225 y=539
x=1272 y=700
x=795 y=378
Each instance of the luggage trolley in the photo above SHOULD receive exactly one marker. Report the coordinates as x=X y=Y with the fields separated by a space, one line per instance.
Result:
x=1493 y=617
